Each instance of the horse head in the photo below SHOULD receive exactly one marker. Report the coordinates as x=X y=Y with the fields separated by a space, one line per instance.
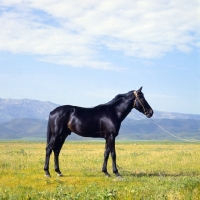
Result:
x=141 y=104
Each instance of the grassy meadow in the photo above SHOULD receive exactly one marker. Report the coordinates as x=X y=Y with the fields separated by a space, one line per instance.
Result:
x=149 y=170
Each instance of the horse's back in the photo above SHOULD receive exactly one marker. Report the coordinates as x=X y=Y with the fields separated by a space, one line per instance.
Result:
x=66 y=109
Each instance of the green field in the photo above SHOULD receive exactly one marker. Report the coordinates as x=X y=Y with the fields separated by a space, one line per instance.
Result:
x=149 y=171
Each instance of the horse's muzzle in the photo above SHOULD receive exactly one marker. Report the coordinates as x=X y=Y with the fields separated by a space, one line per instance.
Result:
x=149 y=113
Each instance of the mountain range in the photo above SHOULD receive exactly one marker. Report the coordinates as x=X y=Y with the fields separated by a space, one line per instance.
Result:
x=24 y=108
x=27 y=119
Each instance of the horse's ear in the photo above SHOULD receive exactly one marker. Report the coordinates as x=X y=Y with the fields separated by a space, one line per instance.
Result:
x=139 y=90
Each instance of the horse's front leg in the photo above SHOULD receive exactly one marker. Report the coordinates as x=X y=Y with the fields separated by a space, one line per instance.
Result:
x=106 y=156
x=113 y=155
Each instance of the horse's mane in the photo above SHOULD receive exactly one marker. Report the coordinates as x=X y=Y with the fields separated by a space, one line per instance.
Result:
x=117 y=97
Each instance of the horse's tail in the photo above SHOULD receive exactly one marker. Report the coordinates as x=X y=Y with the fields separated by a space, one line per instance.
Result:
x=48 y=131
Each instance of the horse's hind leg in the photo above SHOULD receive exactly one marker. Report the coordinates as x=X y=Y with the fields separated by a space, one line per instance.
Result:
x=55 y=144
x=58 y=145
x=47 y=158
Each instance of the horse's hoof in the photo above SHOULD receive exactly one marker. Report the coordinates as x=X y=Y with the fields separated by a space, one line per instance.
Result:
x=60 y=175
x=118 y=175
x=107 y=174
x=47 y=175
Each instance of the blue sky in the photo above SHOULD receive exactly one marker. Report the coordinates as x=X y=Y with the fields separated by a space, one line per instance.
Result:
x=86 y=52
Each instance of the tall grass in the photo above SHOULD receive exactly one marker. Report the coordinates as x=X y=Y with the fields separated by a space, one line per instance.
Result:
x=149 y=171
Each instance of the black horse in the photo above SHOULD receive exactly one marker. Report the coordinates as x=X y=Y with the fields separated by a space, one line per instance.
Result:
x=102 y=121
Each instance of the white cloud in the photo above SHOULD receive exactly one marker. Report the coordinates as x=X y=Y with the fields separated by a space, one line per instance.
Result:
x=72 y=32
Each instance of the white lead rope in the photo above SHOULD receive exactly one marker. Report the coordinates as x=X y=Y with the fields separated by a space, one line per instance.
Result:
x=173 y=134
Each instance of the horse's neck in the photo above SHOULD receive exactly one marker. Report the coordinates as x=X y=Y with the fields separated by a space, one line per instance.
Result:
x=122 y=109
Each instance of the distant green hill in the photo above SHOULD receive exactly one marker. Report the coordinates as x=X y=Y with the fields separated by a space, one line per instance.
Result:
x=130 y=129
x=147 y=130
x=23 y=128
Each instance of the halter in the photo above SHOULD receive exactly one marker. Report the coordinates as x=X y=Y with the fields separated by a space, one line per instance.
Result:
x=136 y=98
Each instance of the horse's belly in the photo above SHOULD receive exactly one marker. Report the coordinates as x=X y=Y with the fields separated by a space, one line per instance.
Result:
x=88 y=133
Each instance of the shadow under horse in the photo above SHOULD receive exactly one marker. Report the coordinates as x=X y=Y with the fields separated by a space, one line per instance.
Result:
x=102 y=121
